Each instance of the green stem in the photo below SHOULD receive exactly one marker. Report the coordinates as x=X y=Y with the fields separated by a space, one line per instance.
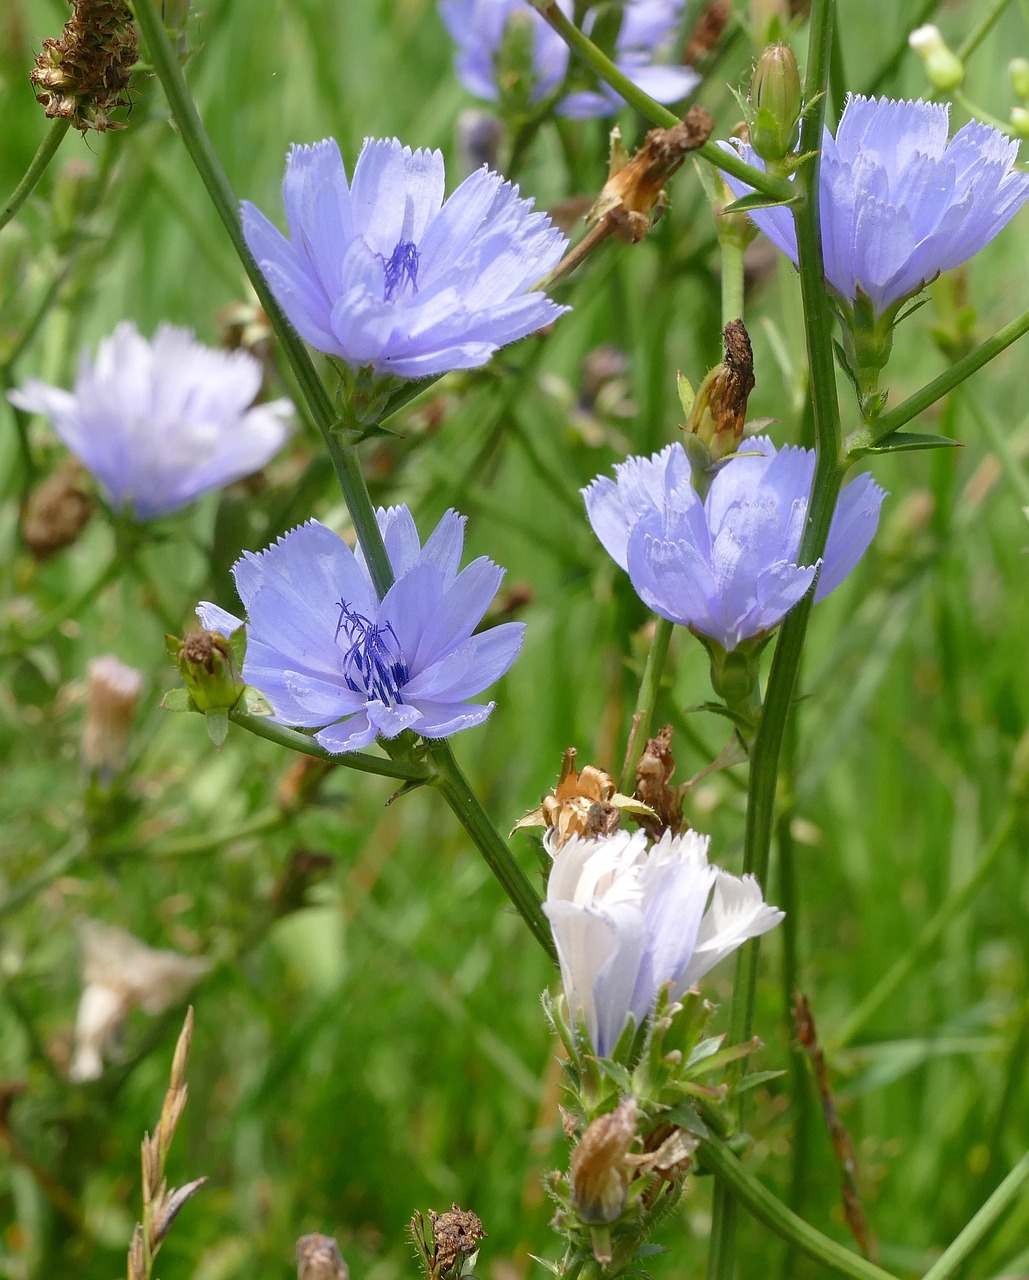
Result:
x=901 y=970
x=605 y=69
x=296 y=741
x=645 y=700
x=44 y=154
x=767 y=1209
x=764 y=766
x=198 y=144
x=498 y=857
x=972 y=1236
x=946 y=382
x=981 y=29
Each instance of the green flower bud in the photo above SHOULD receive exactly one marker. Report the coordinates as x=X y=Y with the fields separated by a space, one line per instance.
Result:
x=775 y=100
x=1018 y=74
x=208 y=665
x=1020 y=121
x=943 y=67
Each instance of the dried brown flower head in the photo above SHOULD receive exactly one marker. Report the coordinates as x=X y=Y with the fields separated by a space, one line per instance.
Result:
x=584 y=803
x=58 y=511
x=599 y=1172
x=83 y=74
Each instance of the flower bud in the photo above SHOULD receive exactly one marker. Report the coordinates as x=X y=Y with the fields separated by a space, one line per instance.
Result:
x=720 y=407
x=208 y=667
x=113 y=691
x=319 y=1258
x=943 y=67
x=599 y=1173
x=1018 y=74
x=775 y=99
x=1020 y=121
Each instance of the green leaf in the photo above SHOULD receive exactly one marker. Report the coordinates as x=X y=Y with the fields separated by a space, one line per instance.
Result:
x=755 y=1078
x=758 y=201
x=906 y=441
x=686 y=1117
x=217 y=721
x=705 y=1049
x=177 y=700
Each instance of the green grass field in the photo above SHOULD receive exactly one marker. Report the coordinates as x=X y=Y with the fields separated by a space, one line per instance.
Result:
x=369 y=1040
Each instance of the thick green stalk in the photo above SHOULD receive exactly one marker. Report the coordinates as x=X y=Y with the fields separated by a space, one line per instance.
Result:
x=344 y=460
x=583 y=47
x=262 y=727
x=903 y=967
x=766 y=1208
x=946 y=382
x=645 y=701
x=764 y=765
x=38 y=166
x=198 y=144
x=470 y=813
x=972 y=1236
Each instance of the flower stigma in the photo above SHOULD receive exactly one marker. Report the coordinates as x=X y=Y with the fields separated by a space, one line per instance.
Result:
x=373 y=664
x=402 y=267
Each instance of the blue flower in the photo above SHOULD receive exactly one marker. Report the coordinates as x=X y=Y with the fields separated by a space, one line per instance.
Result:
x=628 y=919
x=160 y=423
x=898 y=202
x=648 y=27
x=726 y=567
x=477 y=27
x=328 y=655
x=383 y=273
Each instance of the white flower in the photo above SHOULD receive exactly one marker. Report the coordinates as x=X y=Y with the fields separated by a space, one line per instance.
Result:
x=628 y=919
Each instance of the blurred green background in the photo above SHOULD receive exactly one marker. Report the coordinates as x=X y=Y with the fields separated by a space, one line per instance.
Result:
x=369 y=1041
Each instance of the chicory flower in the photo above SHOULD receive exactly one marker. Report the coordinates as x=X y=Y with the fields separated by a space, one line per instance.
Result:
x=329 y=655
x=899 y=203
x=628 y=919
x=385 y=274
x=726 y=566
x=648 y=27
x=160 y=423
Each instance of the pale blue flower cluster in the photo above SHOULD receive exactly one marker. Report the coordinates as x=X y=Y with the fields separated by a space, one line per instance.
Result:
x=629 y=919
x=726 y=566
x=160 y=423
x=647 y=30
x=385 y=274
x=329 y=655
x=899 y=203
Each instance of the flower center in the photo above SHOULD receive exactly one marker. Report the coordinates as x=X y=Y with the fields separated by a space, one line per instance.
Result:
x=400 y=270
x=373 y=663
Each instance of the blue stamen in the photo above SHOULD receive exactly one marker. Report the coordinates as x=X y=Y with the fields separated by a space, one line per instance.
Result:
x=373 y=664
x=402 y=267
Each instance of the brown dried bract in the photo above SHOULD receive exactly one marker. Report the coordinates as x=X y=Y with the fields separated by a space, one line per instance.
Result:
x=83 y=74
x=653 y=778
x=583 y=804
x=635 y=187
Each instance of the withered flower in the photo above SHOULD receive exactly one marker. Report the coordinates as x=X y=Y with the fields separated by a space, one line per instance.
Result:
x=584 y=803
x=119 y=974
x=57 y=512
x=82 y=75
x=599 y=1173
